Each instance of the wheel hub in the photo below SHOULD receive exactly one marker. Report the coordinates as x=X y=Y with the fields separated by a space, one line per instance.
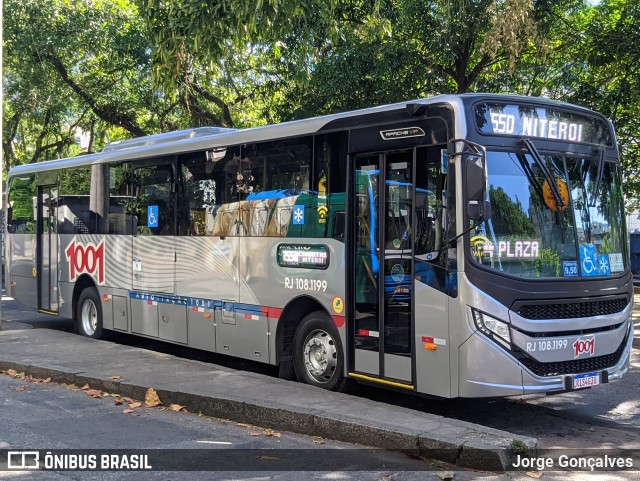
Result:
x=89 y=317
x=320 y=356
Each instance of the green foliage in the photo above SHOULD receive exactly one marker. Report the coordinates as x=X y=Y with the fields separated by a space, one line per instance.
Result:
x=509 y=216
x=548 y=264
x=119 y=68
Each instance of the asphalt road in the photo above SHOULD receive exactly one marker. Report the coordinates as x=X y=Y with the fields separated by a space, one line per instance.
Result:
x=37 y=415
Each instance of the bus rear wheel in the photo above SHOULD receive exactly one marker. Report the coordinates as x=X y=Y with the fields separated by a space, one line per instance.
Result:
x=318 y=358
x=89 y=314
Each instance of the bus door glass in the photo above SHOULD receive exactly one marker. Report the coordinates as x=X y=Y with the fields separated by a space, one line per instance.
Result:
x=47 y=265
x=383 y=271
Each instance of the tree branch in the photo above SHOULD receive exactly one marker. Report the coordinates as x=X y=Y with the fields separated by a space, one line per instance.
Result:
x=9 y=153
x=226 y=114
x=106 y=113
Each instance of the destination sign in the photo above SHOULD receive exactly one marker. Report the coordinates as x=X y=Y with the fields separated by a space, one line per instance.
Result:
x=523 y=120
x=303 y=256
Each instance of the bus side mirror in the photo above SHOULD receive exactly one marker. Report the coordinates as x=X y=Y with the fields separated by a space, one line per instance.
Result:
x=475 y=174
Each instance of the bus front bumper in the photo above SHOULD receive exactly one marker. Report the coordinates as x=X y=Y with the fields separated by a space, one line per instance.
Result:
x=487 y=370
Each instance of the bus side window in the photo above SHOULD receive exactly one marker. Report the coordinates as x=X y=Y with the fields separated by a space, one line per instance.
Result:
x=207 y=198
x=75 y=213
x=154 y=199
x=21 y=213
x=339 y=225
x=275 y=179
x=122 y=219
x=430 y=183
x=329 y=185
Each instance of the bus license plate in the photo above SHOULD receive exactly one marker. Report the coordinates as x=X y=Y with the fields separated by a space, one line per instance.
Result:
x=586 y=380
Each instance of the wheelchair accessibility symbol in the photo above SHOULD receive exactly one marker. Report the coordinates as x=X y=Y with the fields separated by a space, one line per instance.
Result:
x=593 y=264
x=152 y=216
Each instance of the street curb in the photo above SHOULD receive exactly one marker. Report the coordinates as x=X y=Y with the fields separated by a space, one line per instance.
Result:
x=487 y=449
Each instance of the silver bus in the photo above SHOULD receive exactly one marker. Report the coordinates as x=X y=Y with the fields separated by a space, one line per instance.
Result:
x=457 y=246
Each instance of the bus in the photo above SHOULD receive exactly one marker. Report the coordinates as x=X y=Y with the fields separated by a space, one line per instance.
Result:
x=466 y=245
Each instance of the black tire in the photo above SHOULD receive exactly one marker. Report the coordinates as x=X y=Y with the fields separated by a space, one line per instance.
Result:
x=318 y=357
x=89 y=314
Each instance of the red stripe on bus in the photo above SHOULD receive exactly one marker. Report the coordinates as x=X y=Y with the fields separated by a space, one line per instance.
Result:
x=339 y=320
x=273 y=312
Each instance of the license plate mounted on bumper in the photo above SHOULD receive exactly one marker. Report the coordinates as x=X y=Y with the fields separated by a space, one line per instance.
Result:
x=581 y=381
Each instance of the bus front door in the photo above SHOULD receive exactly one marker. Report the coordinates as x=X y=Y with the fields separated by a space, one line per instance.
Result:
x=382 y=279
x=47 y=249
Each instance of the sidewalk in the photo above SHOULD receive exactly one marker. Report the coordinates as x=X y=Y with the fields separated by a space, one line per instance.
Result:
x=246 y=397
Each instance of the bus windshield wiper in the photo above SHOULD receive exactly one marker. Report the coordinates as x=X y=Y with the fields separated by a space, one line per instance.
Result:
x=599 y=176
x=526 y=168
x=551 y=181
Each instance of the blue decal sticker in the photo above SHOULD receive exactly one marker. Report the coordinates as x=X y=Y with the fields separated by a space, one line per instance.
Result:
x=604 y=267
x=589 y=260
x=152 y=216
x=570 y=268
x=298 y=215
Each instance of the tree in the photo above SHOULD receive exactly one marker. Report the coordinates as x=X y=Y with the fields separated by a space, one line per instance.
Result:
x=508 y=216
x=72 y=65
x=610 y=78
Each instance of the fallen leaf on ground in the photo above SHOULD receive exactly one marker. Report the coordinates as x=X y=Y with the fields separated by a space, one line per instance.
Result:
x=12 y=372
x=126 y=399
x=254 y=433
x=117 y=401
x=72 y=387
x=85 y=387
x=19 y=375
x=94 y=393
x=445 y=475
x=244 y=425
x=318 y=440
x=268 y=458
x=135 y=405
x=271 y=432
x=534 y=474
x=131 y=411
x=151 y=398
x=115 y=378
x=177 y=407
x=46 y=380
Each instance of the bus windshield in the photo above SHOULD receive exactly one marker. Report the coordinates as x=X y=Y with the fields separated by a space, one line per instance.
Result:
x=535 y=231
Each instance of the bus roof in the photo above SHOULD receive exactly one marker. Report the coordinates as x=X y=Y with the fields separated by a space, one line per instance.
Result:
x=205 y=138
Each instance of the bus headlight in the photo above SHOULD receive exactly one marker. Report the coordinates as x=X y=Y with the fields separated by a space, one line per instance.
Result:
x=492 y=327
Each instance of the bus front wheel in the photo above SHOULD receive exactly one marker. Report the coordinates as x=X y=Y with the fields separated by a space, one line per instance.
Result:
x=318 y=355
x=89 y=314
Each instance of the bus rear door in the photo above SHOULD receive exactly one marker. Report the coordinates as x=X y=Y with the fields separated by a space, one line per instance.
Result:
x=47 y=249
